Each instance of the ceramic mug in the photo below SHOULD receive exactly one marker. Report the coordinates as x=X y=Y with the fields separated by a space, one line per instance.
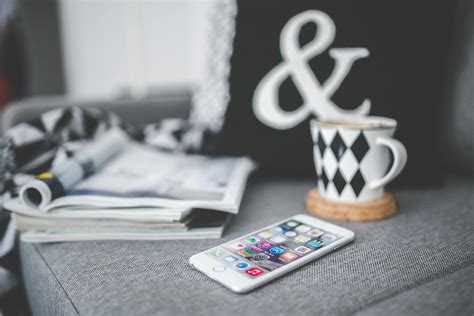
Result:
x=352 y=157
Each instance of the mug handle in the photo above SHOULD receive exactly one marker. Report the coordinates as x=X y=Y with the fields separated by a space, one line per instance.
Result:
x=399 y=160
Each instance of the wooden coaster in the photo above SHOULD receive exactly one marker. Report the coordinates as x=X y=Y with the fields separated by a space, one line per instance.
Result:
x=376 y=210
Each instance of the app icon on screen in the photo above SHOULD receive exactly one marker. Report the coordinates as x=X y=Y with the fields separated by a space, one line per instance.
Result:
x=249 y=252
x=218 y=252
x=252 y=240
x=315 y=244
x=261 y=256
x=315 y=233
x=291 y=224
x=264 y=245
x=237 y=245
x=277 y=229
x=242 y=265
x=276 y=250
x=266 y=234
x=291 y=233
x=302 y=249
x=254 y=271
x=277 y=239
x=302 y=238
x=328 y=238
x=230 y=259
x=303 y=228
x=288 y=256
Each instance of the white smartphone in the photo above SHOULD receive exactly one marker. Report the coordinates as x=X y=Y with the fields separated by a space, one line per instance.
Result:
x=266 y=254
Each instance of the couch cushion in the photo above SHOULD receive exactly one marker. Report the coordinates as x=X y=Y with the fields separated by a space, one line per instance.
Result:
x=166 y=103
x=430 y=237
x=45 y=293
x=454 y=291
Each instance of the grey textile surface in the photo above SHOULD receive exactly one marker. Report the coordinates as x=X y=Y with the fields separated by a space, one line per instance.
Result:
x=172 y=102
x=430 y=238
x=48 y=297
x=455 y=292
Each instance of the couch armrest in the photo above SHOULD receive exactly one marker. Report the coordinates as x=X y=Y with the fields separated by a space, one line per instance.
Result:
x=173 y=103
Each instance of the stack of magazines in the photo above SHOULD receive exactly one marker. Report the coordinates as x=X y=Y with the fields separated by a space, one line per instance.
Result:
x=140 y=193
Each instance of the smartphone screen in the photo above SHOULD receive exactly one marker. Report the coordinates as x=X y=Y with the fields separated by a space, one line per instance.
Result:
x=272 y=248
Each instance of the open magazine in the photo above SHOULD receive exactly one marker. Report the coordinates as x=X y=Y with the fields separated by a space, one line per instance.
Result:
x=141 y=193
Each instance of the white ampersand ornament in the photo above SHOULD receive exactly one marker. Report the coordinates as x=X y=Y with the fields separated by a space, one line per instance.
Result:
x=316 y=96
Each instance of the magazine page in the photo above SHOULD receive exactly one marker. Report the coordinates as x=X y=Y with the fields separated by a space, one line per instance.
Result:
x=145 y=177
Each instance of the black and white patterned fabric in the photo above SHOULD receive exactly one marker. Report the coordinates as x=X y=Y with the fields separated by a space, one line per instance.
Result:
x=7 y=165
x=31 y=147
x=345 y=159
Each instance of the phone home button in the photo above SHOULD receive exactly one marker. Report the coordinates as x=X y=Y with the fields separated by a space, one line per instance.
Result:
x=218 y=269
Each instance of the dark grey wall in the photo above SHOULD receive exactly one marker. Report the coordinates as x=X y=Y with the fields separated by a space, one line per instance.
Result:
x=458 y=119
x=40 y=25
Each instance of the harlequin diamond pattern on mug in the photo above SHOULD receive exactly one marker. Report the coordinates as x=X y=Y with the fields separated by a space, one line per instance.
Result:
x=351 y=161
x=342 y=154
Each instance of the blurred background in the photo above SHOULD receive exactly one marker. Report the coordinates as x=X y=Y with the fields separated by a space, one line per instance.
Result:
x=97 y=50
x=92 y=49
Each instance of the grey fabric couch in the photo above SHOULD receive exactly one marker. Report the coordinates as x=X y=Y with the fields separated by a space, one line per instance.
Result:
x=420 y=262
